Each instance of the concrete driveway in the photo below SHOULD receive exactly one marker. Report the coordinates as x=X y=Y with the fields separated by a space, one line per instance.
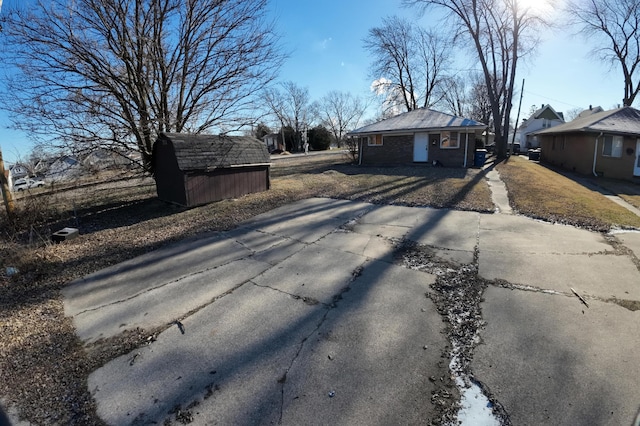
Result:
x=310 y=314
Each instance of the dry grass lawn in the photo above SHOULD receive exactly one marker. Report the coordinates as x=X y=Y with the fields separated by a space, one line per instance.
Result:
x=539 y=192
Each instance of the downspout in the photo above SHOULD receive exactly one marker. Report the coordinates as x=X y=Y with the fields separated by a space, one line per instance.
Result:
x=360 y=151
x=466 y=147
x=595 y=154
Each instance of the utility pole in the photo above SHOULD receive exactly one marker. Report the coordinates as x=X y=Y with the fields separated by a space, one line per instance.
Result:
x=4 y=184
x=515 y=128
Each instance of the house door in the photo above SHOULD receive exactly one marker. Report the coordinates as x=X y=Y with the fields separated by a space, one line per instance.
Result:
x=421 y=147
x=636 y=168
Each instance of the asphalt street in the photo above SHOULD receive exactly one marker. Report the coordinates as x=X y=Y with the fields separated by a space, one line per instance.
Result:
x=308 y=315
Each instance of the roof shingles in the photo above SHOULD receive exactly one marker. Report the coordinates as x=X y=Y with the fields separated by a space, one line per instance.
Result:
x=624 y=120
x=419 y=119
x=209 y=152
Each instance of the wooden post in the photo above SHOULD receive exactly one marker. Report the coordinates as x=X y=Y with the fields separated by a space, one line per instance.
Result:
x=6 y=194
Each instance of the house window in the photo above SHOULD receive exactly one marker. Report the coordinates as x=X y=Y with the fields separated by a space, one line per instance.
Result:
x=375 y=140
x=612 y=146
x=449 y=140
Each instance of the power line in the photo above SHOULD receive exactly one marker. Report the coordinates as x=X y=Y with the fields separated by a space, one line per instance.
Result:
x=552 y=100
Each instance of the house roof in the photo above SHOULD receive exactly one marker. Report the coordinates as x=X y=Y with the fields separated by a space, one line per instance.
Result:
x=591 y=110
x=419 y=119
x=625 y=120
x=544 y=112
x=208 y=152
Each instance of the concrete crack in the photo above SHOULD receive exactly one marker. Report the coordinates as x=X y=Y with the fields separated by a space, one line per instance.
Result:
x=328 y=308
x=457 y=294
x=306 y=299
x=148 y=290
x=632 y=305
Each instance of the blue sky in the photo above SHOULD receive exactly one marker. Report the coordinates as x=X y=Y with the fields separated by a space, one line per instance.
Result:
x=324 y=39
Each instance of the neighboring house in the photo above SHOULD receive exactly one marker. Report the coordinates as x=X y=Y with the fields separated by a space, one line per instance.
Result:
x=419 y=136
x=271 y=140
x=17 y=171
x=591 y=110
x=102 y=159
x=605 y=143
x=544 y=118
x=197 y=169
x=63 y=168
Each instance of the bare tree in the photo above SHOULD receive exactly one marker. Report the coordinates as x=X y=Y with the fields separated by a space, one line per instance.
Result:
x=116 y=73
x=340 y=112
x=455 y=98
x=572 y=114
x=479 y=102
x=409 y=58
x=291 y=106
x=501 y=32
x=616 y=25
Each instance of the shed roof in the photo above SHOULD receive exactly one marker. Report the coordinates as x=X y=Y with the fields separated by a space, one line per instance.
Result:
x=625 y=120
x=208 y=152
x=419 y=119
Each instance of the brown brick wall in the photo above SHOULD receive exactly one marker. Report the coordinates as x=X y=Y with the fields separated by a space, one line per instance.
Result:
x=394 y=150
x=398 y=149
x=577 y=155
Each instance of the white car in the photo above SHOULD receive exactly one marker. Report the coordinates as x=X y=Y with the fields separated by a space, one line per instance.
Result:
x=27 y=183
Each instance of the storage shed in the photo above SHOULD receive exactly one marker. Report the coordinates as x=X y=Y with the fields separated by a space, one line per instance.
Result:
x=191 y=169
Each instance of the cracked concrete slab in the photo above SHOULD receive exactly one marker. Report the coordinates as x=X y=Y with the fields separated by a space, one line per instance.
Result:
x=597 y=275
x=228 y=362
x=549 y=360
x=372 y=247
x=447 y=229
x=631 y=240
x=138 y=275
x=263 y=305
x=378 y=347
x=517 y=235
x=308 y=220
x=312 y=273
x=164 y=304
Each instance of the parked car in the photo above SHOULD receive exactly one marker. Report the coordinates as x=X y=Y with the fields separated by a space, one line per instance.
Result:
x=27 y=183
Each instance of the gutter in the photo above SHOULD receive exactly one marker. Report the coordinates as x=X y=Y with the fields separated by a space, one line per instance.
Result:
x=595 y=154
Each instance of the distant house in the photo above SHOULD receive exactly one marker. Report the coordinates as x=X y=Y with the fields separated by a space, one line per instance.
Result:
x=63 y=168
x=16 y=171
x=544 y=118
x=605 y=143
x=102 y=159
x=272 y=141
x=191 y=170
x=419 y=136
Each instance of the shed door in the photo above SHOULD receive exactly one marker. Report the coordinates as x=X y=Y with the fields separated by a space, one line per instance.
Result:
x=421 y=147
x=636 y=168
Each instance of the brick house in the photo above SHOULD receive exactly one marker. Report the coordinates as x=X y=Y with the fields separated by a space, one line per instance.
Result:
x=605 y=143
x=419 y=136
